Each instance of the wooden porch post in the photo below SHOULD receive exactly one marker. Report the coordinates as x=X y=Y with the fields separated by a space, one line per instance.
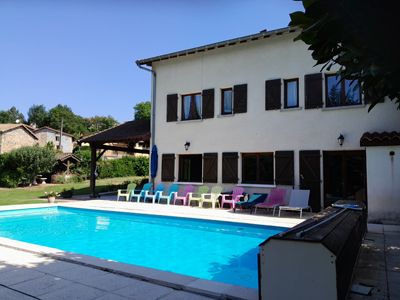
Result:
x=93 y=171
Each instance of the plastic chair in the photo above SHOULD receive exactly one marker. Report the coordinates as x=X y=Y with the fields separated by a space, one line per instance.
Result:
x=157 y=192
x=172 y=192
x=143 y=193
x=197 y=196
x=236 y=196
x=185 y=195
x=126 y=193
x=212 y=197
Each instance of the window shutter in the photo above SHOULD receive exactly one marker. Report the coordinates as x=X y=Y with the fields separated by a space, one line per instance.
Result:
x=172 y=108
x=313 y=90
x=240 y=98
x=208 y=104
x=273 y=94
x=210 y=167
x=168 y=167
x=284 y=167
x=230 y=167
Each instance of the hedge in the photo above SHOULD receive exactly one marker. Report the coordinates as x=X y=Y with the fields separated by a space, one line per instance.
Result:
x=125 y=166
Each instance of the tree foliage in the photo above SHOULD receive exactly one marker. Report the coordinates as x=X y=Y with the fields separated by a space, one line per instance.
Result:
x=358 y=36
x=24 y=164
x=99 y=123
x=11 y=116
x=142 y=110
x=72 y=123
x=37 y=114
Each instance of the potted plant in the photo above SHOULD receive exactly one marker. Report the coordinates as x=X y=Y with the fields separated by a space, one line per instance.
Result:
x=51 y=196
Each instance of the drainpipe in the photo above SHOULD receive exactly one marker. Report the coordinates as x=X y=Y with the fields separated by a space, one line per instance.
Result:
x=153 y=108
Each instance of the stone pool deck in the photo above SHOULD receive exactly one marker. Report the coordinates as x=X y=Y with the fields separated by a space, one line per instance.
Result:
x=34 y=272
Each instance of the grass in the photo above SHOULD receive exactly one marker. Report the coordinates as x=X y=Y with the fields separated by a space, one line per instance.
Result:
x=36 y=194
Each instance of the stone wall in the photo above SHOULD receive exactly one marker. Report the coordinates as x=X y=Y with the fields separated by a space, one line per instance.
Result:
x=15 y=139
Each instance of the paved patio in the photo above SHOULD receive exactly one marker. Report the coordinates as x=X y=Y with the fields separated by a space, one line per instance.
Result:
x=378 y=264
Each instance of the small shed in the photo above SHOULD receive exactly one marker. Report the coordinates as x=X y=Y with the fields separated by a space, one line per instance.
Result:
x=123 y=137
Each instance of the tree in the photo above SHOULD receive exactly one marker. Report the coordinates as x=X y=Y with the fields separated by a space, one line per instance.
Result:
x=358 y=36
x=142 y=110
x=99 y=123
x=11 y=116
x=38 y=115
x=72 y=124
x=24 y=164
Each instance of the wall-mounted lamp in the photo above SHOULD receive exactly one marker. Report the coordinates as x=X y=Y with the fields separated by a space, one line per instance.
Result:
x=391 y=153
x=340 y=140
x=187 y=145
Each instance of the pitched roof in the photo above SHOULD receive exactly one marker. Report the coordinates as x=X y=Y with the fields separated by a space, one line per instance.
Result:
x=9 y=127
x=66 y=156
x=380 y=139
x=52 y=129
x=240 y=40
x=132 y=131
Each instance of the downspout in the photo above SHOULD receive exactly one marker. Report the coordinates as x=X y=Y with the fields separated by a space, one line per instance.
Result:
x=153 y=108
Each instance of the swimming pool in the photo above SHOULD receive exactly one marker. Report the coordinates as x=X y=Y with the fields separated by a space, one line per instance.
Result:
x=213 y=250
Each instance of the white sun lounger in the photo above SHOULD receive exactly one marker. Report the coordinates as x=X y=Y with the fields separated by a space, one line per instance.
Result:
x=298 y=201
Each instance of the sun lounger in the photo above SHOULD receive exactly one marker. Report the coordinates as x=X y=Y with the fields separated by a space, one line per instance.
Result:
x=249 y=204
x=275 y=198
x=298 y=202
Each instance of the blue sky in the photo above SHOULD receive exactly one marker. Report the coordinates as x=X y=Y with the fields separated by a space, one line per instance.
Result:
x=82 y=52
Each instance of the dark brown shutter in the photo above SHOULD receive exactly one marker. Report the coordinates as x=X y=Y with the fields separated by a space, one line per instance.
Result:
x=273 y=94
x=240 y=98
x=208 y=104
x=313 y=90
x=230 y=167
x=310 y=176
x=284 y=167
x=210 y=167
x=172 y=108
x=168 y=167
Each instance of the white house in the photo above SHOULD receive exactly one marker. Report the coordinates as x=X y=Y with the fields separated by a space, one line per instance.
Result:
x=253 y=111
x=49 y=135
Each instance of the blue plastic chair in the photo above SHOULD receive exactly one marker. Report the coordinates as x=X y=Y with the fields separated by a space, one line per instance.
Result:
x=143 y=193
x=172 y=192
x=157 y=193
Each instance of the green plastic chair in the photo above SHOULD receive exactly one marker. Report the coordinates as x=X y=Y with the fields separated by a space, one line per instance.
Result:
x=212 y=197
x=126 y=193
x=197 y=196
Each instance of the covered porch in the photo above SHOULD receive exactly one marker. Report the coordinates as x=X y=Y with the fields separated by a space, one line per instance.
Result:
x=122 y=138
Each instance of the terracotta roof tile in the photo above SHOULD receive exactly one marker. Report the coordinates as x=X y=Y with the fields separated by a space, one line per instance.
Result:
x=380 y=139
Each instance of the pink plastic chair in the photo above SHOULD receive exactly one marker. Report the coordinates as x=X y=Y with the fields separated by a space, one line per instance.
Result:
x=236 y=196
x=184 y=196
x=275 y=198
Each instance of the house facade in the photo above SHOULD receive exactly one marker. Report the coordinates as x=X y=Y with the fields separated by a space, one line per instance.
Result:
x=255 y=112
x=14 y=136
x=49 y=135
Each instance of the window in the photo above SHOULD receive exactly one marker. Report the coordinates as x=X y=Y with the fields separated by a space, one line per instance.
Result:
x=57 y=138
x=191 y=107
x=226 y=101
x=190 y=167
x=258 y=168
x=342 y=92
x=291 y=93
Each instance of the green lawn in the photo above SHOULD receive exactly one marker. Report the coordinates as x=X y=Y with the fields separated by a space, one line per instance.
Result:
x=36 y=194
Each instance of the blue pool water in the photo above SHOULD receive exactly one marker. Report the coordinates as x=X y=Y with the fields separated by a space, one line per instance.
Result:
x=220 y=251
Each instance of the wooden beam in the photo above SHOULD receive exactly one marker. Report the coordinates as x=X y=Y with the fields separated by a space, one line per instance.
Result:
x=93 y=171
x=100 y=155
x=123 y=149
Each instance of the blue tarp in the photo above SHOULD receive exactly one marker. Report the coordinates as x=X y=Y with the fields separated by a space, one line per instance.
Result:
x=153 y=161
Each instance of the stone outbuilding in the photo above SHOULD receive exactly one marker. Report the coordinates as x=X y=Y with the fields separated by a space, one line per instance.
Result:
x=14 y=136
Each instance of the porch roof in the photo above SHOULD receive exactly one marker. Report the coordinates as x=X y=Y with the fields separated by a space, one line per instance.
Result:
x=380 y=139
x=128 y=132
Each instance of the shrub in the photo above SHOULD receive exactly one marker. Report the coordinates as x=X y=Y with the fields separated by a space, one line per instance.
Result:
x=21 y=166
x=126 y=166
